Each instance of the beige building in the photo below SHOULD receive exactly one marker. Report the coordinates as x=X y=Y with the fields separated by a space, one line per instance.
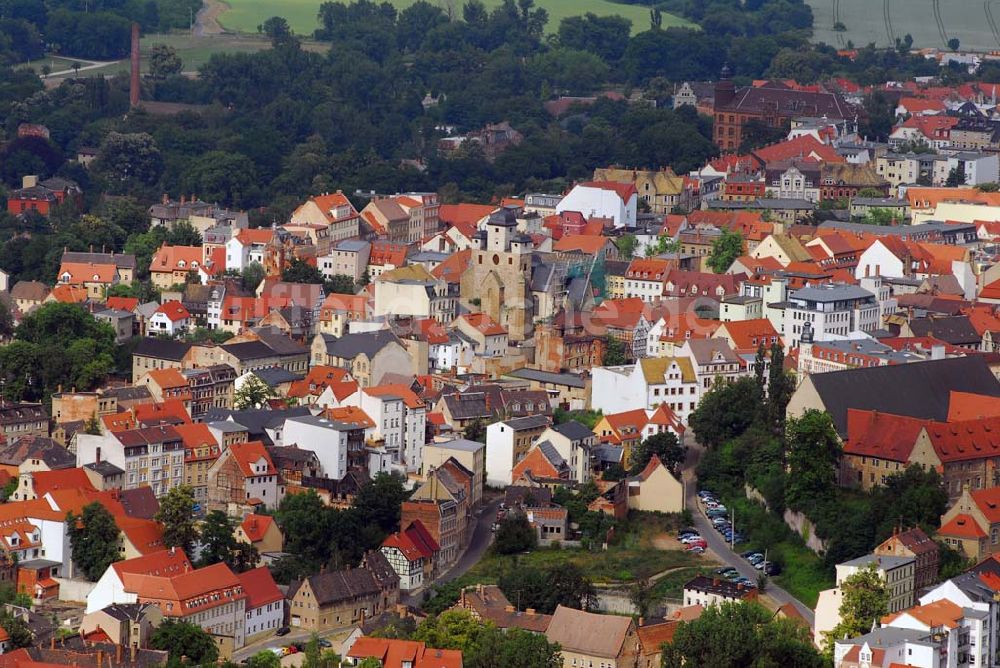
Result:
x=367 y=356
x=655 y=489
x=262 y=532
x=589 y=639
x=341 y=598
x=470 y=454
x=662 y=190
x=125 y=624
x=413 y=291
x=334 y=211
x=499 y=273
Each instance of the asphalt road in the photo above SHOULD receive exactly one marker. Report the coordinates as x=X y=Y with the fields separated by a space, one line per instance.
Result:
x=718 y=545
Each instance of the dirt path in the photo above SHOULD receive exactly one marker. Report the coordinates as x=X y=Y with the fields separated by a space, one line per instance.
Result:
x=206 y=23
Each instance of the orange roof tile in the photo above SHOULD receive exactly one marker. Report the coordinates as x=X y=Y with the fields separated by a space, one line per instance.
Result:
x=350 y=415
x=80 y=273
x=484 y=324
x=396 y=390
x=122 y=303
x=176 y=258
x=803 y=146
x=394 y=653
x=249 y=454
x=327 y=203
x=255 y=526
x=259 y=587
x=881 y=435
x=168 y=378
x=161 y=563
x=69 y=294
x=749 y=334
x=47 y=481
x=586 y=243
x=190 y=592
x=968 y=406
x=467 y=214
x=451 y=270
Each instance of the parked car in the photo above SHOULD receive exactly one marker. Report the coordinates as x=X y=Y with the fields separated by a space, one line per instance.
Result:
x=692 y=539
x=283 y=631
x=696 y=549
x=725 y=570
x=772 y=569
x=323 y=642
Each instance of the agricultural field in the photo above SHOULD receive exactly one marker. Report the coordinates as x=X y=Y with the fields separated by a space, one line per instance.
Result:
x=246 y=15
x=975 y=23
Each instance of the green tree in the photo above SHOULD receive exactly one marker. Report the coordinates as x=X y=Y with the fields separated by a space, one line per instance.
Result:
x=164 y=61
x=864 y=601
x=725 y=250
x=956 y=176
x=92 y=426
x=614 y=352
x=304 y=520
x=780 y=386
x=184 y=639
x=546 y=588
x=300 y=271
x=175 y=514
x=217 y=539
x=93 y=538
x=740 y=634
x=954 y=44
x=277 y=30
x=626 y=246
x=224 y=177
x=643 y=596
x=515 y=534
x=813 y=451
x=664 y=445
x=340 y=284
x=379 y=501
x=880 y=216
x=6 y=321
x=726 y=411
x=253 y=393
x=264 y=659
x=514 y=648
x=127 y=160
x=252 y=275
x=17 y=630
x=475 y=431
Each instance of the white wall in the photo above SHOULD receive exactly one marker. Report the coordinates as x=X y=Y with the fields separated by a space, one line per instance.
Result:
x=618 y=389
x=329 y=445
x=265 y=618
x=107 y=590
x=499 y=454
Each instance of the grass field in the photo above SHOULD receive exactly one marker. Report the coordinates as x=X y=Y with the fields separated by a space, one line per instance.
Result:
x=246 y=15
x=976 y=23
x=193 y=51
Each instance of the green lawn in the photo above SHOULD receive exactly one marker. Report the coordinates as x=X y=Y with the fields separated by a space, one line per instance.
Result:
x=193 y=51
x=246 y=15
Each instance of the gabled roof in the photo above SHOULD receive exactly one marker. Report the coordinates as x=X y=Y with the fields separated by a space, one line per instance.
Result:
x=248 y=454
x=802 y=146
x=585 y=243
x=919 y=389
x=625 y=191
x=22 y=448
x=484 y=324
x=162 y=563
x=259 y=587
x=967 y=406
x=176 y=258
x=588 y=633
x=881 y=435
x=350 y=346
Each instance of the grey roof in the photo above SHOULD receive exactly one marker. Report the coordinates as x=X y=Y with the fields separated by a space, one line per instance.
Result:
x=429 y=256
x=120 y=260
x=256 y=421
x=902 y=231
x=249 y=350
x=567 y=379
x=527 y=422
x=166 y=349
x=226 y=426
x=463 y=444
x=704 y=350
x=880 y=201
x=886 y=636
x=130 y=393
x=22 y=448
x=608 y=453
x=956 y=330
x=350 y=346
x=573 y=430
x=352 y=245
x=104 y=468
x=326 y=423
x=274 y=339
x=276 y=375
x=881 y=561
x=552 y=454
x=831 y=292
x=919 y=390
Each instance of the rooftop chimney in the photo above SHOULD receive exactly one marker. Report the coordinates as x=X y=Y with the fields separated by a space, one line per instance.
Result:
x=29 y=181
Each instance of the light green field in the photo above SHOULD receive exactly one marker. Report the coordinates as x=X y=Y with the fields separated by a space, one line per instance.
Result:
x=193 y=51
x=975 y=23
x=246 y=15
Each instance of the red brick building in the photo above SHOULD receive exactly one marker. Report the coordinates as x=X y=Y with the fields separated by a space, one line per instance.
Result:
x=42 y=196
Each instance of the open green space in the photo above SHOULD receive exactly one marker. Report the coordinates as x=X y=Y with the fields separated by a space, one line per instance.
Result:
x=193 y=51
x=246 y=15
x=931 y=22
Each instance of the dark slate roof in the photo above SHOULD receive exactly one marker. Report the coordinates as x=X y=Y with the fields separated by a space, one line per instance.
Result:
x=249 y=350
x=516 y=494
x=552 y=454
x=608 y=453
x=956 y=330
x=573 y=430
x=22 y=448
x=467 y=406
x=104 y=468
x=336 y=586
x=166 y=349
x=279 y=343
x=256 y=420
x=276 y=375
x=130 y=393
x=350 y=346
x=919 y=389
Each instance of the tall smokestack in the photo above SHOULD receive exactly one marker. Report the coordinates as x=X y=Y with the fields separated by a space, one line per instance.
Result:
x=133 y=91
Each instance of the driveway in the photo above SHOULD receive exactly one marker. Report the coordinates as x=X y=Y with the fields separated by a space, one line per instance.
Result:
x=720 y=548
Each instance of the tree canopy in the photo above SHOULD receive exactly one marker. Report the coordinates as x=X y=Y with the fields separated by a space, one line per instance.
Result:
x=93 y=537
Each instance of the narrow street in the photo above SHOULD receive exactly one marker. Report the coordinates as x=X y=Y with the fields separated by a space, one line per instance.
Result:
x=718 y=546
x=482 y=536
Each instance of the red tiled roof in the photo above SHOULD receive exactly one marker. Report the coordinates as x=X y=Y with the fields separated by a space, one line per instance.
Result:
x=624 y=190
x=122 y=303
x=259 y=587
x=255 y=526
x=963 y=526
x=161 y=563
x=396 y=390
x=397 y=653
x=968 y=406
x=248 y=454
x=881 y=435
x=180 y=258
x=451 y=270
x=174 y=310
x=800 y=147
x=484 y=324
x=586 y=243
